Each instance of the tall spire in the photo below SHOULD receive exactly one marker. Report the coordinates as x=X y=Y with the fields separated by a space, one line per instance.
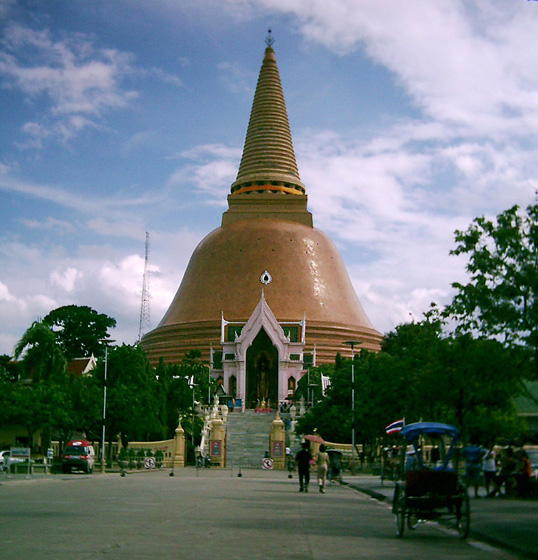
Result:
x=268 y=162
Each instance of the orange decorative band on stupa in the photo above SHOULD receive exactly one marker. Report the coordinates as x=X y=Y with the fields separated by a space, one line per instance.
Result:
x=289 y=190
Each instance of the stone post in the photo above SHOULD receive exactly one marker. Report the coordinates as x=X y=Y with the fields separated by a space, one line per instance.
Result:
x=178 y=459
x=302 y=407
x=277 y=443
x=217 y=451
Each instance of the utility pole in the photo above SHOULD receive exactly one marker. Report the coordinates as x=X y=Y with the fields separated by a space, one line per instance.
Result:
x=352 y=343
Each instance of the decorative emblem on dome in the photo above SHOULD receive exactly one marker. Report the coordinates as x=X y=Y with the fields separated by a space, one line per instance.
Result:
x=266 y=278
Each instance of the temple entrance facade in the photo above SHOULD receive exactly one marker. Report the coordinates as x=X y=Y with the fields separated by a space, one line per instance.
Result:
x=261 y=372
x=261 y=360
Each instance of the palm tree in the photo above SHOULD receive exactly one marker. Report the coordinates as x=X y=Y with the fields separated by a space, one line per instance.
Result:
x=41 y=356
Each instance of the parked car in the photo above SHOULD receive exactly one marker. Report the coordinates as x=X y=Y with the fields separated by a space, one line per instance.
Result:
x=78 y=455
x=6 y=460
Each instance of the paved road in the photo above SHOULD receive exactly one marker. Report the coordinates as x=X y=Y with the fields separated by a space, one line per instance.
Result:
x=208 y=514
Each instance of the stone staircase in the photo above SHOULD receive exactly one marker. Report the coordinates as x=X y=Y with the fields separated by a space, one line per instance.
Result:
x=247 y=437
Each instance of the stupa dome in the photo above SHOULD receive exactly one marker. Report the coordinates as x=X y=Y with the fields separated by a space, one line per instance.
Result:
x=266 y=247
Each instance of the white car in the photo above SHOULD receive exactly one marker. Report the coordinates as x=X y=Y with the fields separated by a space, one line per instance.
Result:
x=6 y=460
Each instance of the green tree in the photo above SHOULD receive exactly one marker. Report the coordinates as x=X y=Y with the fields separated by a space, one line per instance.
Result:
x=41 y=357
x=481 y=378
x=415 y=369
x=132 y=411
x=29 y=407
x=9 y=370
x=330 y=414
x=175 y=395
x=8 y=381
x=310 y=386
x=423 y=374
x=77 y=407
x=47 y=398
x=464 y=381
x=79 y=329
x=500 y=298
x=176 y=392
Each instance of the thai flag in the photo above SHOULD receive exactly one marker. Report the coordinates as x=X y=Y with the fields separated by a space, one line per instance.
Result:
x=395 y=427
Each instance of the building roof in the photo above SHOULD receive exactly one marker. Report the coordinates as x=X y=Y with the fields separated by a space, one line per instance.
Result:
x=81 y=366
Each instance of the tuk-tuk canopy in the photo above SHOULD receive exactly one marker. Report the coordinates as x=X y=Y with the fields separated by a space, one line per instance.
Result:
x=435 y=429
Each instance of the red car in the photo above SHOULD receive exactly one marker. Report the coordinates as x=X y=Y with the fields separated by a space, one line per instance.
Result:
x=78 y=455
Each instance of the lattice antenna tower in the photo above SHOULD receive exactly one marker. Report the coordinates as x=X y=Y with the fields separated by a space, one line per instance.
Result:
x=145 y=303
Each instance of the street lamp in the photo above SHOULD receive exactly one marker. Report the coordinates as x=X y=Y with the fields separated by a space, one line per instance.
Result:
x=193 y=385
x=309 y=387
x=352 y=343
x=106 y=341
x=209 y=368
x=209 y=387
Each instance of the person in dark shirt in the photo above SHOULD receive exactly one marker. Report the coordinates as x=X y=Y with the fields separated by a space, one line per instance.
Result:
x=508 y=468
x=303 y=459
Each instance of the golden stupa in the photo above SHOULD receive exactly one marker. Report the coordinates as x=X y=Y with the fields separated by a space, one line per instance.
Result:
x=266 y=295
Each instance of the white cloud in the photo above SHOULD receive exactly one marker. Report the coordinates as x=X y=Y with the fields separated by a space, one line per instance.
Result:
x=117 y=225
x=17 y=314
x=466 y=63
x=66 y=279
x=124 y=275
x=4 y=293
x=79 y=81
x=213 y=170
x=160 y=75
x=49 y=224
x=236 y=79
x=74 y=77
x=390 y=198
x=108 y=280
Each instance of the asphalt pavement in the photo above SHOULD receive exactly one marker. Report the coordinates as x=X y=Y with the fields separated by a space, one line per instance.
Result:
x=506 y=524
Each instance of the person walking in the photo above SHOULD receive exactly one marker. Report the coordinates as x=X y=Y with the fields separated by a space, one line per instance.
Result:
x=473 y=465
x=508 y=468
x=322 y=463
x=489 y=468
x=523 y=476
x=302 y=459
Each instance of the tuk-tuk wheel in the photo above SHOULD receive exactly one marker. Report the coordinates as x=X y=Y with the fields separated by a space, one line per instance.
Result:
x=463 y=514
x=412 y=522
x=398 y=508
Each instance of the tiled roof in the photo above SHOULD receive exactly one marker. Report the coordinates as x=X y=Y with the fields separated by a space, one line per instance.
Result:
x=81 y=366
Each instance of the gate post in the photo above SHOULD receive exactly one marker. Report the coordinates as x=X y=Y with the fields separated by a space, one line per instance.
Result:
x=216 y=444
x=277 y=443
x=178 y=460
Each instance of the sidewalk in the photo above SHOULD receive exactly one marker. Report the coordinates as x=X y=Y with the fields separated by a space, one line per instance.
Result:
x=510 y=524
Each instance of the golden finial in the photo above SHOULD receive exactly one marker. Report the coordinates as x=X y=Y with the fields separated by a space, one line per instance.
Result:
x=269 y=39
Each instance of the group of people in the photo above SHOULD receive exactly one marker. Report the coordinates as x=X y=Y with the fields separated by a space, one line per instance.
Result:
x=497 y=472
x=305 y=460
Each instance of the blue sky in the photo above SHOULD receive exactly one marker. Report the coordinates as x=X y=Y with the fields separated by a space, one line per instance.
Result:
x=409 y=119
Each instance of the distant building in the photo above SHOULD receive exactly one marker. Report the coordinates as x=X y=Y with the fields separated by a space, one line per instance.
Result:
x=81 y=366
x=265 y=295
